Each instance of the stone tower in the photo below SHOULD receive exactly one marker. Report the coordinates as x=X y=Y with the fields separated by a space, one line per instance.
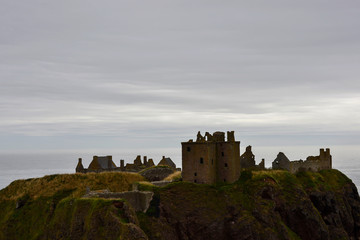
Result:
x=211 y=159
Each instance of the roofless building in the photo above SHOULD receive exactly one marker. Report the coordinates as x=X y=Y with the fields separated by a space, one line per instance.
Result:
x=211 y=159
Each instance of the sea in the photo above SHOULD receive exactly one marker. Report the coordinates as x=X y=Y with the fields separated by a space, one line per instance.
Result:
x=32 y=164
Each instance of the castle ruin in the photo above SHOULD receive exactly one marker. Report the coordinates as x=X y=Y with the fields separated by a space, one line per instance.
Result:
x=312 y=163
x=211 y=159
x=106 y=164
x=247 y=161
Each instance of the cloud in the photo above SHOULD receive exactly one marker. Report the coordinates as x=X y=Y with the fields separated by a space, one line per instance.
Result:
x=160 y=68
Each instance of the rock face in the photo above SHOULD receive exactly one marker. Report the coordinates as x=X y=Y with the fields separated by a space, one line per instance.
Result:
x=139 y=200
x=260 y=205
x=274 y=205
x=156 y=173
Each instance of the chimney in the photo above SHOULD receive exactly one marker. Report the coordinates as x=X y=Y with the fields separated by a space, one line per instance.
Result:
x=109 y=162
x=145 y=160
x=122 y=164
x=80 y=160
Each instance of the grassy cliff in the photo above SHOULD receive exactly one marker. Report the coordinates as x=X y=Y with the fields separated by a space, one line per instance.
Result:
x=51 y=208
x=260 y=205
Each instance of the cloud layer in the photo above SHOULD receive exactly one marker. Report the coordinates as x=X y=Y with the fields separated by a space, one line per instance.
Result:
x=162 y=70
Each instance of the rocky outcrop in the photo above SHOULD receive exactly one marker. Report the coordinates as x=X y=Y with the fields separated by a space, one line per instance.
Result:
x=156 y=173
x=269 y=206
x=260 y=205
x=139 y=200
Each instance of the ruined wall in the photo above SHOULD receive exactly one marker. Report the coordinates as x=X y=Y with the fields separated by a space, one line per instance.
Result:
x=211 y=159
x=105 y=164
x=312 y=163
x=139 y=200
x=281 y=162
x=247 y=159
x=228 y=161
x=198 y=161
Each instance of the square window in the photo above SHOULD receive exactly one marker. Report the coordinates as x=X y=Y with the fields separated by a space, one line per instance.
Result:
x=226 y=165
x=195 y=174
x=201 y=160
x=188 y=149
x=222 y=153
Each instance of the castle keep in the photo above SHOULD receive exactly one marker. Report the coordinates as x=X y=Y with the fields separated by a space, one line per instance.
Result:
x=211 y=159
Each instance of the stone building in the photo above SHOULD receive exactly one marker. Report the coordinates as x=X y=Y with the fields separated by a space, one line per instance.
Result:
x=166 y=161
x=312 y=163
x=211 y=159
x=247 y=161
x=137 y=165
x=281 y=162
x=105 y=163
x=98 y=164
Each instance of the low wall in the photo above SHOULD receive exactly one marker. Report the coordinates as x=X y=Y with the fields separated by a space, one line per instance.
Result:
x=139 y=200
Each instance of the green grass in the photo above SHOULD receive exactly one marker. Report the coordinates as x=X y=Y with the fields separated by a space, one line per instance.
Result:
x=48 y=185
x=158 y=166
x=52 y=207
x=329 y=180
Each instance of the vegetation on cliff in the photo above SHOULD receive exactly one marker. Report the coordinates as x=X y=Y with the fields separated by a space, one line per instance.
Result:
x=260 y=205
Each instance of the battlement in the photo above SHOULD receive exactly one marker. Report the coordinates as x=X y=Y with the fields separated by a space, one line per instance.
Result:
x=215 y=137
x=211 y=159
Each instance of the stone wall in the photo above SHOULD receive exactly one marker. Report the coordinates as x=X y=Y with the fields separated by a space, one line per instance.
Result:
x=139 y=200
x=94 y=166
x=247 y=160
x=199 y=161
x=281 y=162
x=228 y=161
x=312 y=163
x=211 y=159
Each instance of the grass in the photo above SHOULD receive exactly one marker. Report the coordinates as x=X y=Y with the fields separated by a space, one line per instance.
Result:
x=329 y=180
x=48 y=185
x=176 y=176
x=158 y=166
x=53 y=202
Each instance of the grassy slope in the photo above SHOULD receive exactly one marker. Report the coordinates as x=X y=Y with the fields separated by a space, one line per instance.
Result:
x=52 y=208
x=54 y=201
x=49 y=185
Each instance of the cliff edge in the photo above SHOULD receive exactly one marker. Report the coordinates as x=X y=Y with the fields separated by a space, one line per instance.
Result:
x=260 y=205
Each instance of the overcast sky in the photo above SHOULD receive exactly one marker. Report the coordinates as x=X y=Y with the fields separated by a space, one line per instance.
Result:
x=115 y=74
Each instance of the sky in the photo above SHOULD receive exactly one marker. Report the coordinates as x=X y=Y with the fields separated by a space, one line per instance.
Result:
x=77 y=75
